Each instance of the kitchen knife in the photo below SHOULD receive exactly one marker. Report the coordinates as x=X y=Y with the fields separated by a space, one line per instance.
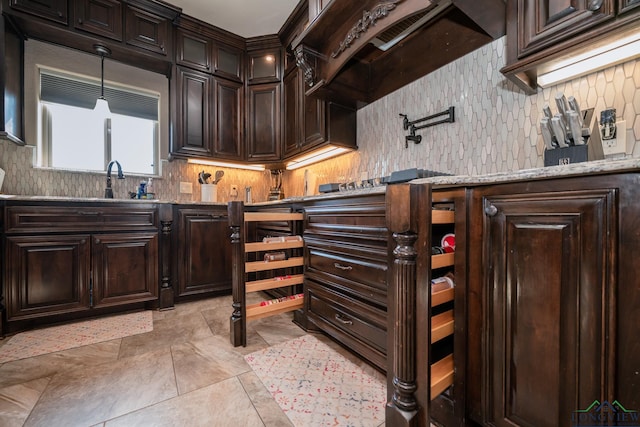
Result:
x=559 y=130
x=573 y=104
x=574 y=125
x=546 y=110
x=546 y=133
x=561 y=102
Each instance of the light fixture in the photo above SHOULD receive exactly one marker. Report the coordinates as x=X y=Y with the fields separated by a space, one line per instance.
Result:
x=315 y=156
x=595 y=59
x=102 y=106
x=252 y=167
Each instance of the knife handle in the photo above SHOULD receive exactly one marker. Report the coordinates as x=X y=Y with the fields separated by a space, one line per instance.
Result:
x=546 y=110
x=576 y=129
x=559 y=130
x=573 y=104
x=546 y=133
x=561 y=102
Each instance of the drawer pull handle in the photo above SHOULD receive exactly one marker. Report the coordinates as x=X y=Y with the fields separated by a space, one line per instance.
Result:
x=344 y=321
x=342 y=267
x=88 y=213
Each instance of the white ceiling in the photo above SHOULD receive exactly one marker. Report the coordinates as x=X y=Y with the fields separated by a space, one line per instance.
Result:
x=246 y=18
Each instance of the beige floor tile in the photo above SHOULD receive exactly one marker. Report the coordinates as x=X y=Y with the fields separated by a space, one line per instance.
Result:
x=17 y=401
x=167 y=332
x=198 y=364
x=219 y=405
x=269 y=411
x=278 y=329
x=47 y=365
x=91 y=395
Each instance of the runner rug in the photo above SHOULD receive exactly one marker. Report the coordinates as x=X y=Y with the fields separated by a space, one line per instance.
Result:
x=316 y=386
x=63 y=337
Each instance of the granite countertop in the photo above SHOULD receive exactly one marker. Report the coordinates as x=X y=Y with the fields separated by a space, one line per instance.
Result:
x=577 y=169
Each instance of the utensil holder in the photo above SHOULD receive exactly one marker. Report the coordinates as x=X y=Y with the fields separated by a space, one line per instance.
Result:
x=208 y=192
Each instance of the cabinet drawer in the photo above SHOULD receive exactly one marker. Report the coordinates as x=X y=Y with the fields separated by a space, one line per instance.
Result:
x=28 y=219
x=360 y=326
x=355 y=265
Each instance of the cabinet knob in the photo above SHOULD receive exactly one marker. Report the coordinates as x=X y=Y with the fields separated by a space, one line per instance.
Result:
x=59 y=14
x=80 y=21
x=595 y=5
x=491 y=210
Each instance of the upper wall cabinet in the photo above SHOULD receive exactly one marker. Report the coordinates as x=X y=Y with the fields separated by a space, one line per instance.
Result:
x=357 y=52
x=138 y=32
x=264 y=66
x=11 y=84
x=101 y=17
x=542 y=35
x=54 y=10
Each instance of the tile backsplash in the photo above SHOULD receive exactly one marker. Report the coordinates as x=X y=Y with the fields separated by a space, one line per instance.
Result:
x=496 y=125
x=496 y=130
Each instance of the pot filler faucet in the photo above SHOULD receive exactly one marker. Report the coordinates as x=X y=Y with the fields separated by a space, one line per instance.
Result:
x=108 y=192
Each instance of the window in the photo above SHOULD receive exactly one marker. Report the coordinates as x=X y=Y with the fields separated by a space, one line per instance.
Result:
x=74 y=137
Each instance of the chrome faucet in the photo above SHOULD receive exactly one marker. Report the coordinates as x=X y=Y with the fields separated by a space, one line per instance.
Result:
x=108 y=192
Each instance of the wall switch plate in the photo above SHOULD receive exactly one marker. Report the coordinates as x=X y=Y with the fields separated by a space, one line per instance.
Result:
x=234 y=191
x=186 y=188
x=616 y=147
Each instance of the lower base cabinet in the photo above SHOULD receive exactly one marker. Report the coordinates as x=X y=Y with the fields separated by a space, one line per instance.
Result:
x=560 y=300
x=203 y=250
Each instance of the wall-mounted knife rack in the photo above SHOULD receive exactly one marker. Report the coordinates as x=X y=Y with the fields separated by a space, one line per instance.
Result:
x=412 y=128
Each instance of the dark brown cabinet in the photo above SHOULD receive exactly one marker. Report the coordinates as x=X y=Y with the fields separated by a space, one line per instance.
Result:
x=124 y=268
x=346 y=273
x=192 y=109
x=53 y=10
x=228 y=61
x=193 y=50
x=11 y=84
x=547 y=323
x=542 y=35
x=210 y=116
x=76 y=258
x=545 y=22
x=550 y=307
x=147 y=30
x=227 y=119
x=101 y=17
x=203 y=250
x=263 y=122
x=304 y=117
x=264 y=66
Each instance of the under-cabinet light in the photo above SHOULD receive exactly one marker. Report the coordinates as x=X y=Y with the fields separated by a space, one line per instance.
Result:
x=316 y=156
x=226 y=165
x=613 y=53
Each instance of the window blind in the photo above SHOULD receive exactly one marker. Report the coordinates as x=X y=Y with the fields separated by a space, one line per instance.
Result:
x=63 y=90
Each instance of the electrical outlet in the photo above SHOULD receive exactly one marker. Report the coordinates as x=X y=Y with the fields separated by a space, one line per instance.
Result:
x=234 y=191
x=617 y=146
x=186 y=187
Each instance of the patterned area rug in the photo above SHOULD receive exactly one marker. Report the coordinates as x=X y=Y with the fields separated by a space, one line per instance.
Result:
x=64 y=337
x=316 y=386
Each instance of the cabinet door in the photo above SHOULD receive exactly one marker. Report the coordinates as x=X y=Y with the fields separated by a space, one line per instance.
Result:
x=227 y=117
x=228 y=61
x=46 y=275
x=314 y=119
x=125 y=268
x=545 y=22
x=146 y=30
x=626 y=5
x=264 y=122
x=291 y=108
x=54 y=10
x=204 y=252
x=101 y=17
x=264 y=66
x=193 y=50
x=193 y=135
x=549 y=258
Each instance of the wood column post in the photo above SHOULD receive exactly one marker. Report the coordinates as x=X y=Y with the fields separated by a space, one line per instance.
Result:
x=238 y=320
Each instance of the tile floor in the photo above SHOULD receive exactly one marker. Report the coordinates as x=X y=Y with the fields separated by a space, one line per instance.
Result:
x=183 y=373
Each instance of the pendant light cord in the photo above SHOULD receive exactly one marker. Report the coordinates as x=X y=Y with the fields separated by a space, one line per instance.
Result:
x=102 y=77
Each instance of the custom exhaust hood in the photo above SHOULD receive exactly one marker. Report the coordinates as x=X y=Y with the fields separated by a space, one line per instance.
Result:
x=357 y=52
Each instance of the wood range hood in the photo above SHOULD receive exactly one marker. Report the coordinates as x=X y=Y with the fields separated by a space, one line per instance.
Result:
x=342 y=51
